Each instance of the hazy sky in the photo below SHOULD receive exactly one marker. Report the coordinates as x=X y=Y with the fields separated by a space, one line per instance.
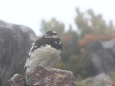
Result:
x=31 y=12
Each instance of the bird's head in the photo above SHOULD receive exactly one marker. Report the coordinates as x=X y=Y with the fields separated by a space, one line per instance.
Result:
x=50 y=34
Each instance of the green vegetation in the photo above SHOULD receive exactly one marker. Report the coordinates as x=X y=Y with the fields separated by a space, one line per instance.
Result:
x=76 y=46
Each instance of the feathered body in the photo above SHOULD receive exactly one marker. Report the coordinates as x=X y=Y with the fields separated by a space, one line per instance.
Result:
x=44 y=52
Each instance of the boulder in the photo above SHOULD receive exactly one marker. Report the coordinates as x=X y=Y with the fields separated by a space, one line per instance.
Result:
x=14 y=43
x=103 y=56
x=17 y=80
x=99 y=80
x=45 y=77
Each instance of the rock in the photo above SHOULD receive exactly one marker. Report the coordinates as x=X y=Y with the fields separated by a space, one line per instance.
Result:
x=102 y=56
x=46 y=77
x=50 y=77
x=14 y=43
x=17 y=80
x=99 y=80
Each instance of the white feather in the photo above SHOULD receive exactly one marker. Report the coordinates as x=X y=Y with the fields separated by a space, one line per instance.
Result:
x=45 y=56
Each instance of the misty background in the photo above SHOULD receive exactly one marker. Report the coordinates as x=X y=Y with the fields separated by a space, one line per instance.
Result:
x=31 y=12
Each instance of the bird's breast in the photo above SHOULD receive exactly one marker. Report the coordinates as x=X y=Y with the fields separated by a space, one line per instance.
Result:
x=46 y=56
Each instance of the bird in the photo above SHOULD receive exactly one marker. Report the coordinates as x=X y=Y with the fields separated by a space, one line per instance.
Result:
x=45 y=52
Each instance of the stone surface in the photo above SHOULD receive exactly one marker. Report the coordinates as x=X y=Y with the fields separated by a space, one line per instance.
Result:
x=103 y=56
x=99 y=80
x=14 y=43
x=17 y=80
x=44 y=77
x=50 y=77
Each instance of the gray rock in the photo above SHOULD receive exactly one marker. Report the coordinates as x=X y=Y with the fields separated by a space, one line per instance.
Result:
x=103 y=56
x=14 y=43
x=99 y=80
